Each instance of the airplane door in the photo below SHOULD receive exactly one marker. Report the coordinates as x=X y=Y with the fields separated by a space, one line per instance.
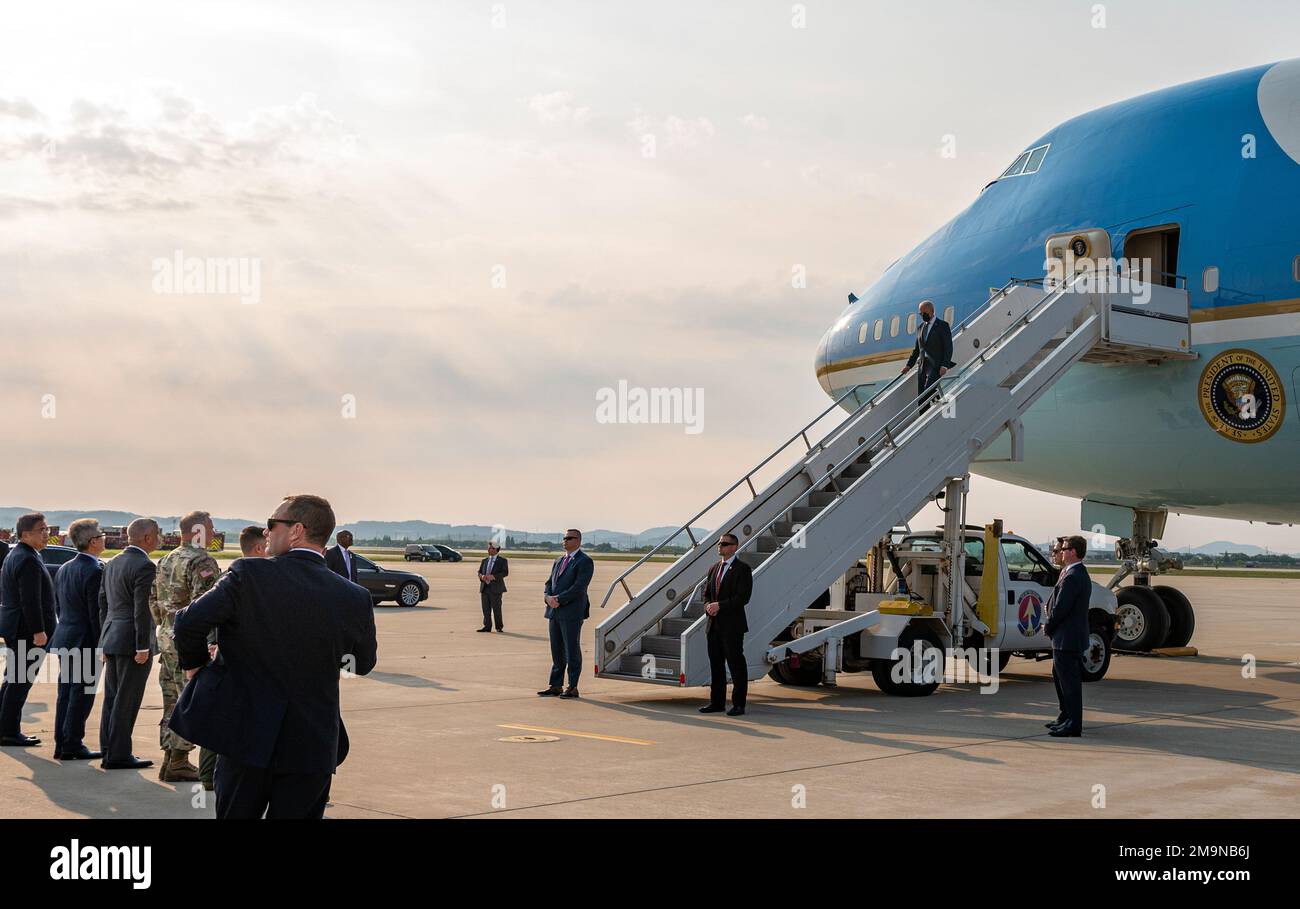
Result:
x=1030 y=580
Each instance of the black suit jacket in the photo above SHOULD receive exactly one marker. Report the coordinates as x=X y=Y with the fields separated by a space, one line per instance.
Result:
x=127 y=622
x=936 y=351
x=4 y=551
x=76 y=593
x=288 y=624
x=334 y=559
x=500 y=569
x=737 y=588
x=1067 y=625
x=26 y=595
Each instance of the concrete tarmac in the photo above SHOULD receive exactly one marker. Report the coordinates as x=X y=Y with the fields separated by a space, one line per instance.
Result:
x=436 y=729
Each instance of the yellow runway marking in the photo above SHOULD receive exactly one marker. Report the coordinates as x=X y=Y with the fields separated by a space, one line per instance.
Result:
x=581 y=735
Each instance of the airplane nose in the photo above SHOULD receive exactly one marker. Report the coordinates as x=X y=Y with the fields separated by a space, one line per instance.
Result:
x=821 y=360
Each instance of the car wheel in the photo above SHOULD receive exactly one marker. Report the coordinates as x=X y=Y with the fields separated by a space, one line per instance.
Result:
x=1142 y=619
x=1096 y=659
x=409 y=594
x=920 y=680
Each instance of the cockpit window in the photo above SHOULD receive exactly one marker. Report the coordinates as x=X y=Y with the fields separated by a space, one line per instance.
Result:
x=1028 y=163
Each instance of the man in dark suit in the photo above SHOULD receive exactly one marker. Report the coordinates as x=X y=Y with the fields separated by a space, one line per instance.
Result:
x=1067 y=626
x=567 y=607
x=128 y=642
x=726 y=592
x=27 y=619
x=4 y=551
x=492 y=573
x=270 y=706
x=339 y=558
x=933 y=348
x=76 y=593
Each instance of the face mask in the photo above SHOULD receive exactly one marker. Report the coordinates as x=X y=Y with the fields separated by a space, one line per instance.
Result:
x=926 y=317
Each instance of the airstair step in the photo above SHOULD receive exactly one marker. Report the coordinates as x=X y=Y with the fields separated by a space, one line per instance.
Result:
x=802 y=514
x=661 y=645
x=675 y=626
x=820 y=499
x=634 y=664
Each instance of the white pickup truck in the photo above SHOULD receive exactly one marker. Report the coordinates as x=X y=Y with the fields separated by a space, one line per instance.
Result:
x=905 y=579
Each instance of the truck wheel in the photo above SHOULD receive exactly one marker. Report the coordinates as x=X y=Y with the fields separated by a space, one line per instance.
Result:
x=1182 y=619
x=883 y=671
x=1096 y=659
x=978 y=660
x=1143 y=620
x=808 y=674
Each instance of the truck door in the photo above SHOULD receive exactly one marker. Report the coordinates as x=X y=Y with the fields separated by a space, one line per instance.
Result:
x=1030 y=579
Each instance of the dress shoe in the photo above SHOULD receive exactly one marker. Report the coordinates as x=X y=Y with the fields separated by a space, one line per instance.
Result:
x=570 y=693
x=549 y=693
x=1053 y=724
x=481 y=630
x=712 y=708
x=131 y=763
x=78 y=754
x=1066 y=730
x=501 y=631
x=19 y=741
x=736 y=711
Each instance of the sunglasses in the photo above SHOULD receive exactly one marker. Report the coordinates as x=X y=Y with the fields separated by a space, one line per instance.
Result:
x=271 y=522
x=569 y=539
x=725 y=543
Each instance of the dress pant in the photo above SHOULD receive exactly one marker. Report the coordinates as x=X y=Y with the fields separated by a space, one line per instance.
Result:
x=17 y=684
x=1067 y=673
x=248 y=793
x=491 y=608
x=78 y=673
x=926 y=381
x=124 y=683
x=566 y=651
x=727 y=651
x=207 y=764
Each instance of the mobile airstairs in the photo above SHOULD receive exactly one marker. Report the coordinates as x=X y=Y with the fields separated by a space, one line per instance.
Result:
x=874 y=471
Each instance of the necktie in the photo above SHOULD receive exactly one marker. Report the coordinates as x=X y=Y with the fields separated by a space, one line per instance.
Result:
x=722 y=573
x=488 y=570
x=564 y=562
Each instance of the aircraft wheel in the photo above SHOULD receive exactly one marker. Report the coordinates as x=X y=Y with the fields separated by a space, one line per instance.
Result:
x=1182 y=618
x=1143 y=620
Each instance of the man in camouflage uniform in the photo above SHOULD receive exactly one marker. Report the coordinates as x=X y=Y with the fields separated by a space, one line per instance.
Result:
x=184 y=574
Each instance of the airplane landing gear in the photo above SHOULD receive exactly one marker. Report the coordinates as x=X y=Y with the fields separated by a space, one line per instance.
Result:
x=1149 y=617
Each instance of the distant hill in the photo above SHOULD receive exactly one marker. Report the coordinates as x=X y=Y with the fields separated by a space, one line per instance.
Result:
x=1219 y=547
x=396 y=531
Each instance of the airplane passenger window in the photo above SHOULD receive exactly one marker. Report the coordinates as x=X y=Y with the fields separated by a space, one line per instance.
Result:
x=948 y=313
x=1295 y=268
x=862 y=332
x=1210 y=280
x=911 y=321
x=893 y=327
x=880 y=328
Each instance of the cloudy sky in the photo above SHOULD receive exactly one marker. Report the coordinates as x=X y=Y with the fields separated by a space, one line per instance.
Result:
x=464 y=232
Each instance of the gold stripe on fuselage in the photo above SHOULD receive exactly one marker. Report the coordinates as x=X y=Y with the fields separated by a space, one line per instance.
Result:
x=1214 y=314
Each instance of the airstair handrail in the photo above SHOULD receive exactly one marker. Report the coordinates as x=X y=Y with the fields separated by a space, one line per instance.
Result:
x=908 y=413
x=748 y=477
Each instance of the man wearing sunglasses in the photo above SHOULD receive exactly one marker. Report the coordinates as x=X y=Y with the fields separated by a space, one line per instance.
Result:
x=76 y=593
x=567 y=607
x=726 y=592
x=1067 y=626
x=27 y=619
x=270 y=706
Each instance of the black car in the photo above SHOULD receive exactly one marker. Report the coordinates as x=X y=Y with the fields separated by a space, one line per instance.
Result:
x=406 y=588
x=448 y=554
x=54 y=556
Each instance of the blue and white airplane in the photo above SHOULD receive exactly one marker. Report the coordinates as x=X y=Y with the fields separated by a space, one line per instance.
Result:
x=1202 y=179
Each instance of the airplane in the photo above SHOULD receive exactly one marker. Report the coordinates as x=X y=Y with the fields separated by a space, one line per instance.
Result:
x=1202 y=180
